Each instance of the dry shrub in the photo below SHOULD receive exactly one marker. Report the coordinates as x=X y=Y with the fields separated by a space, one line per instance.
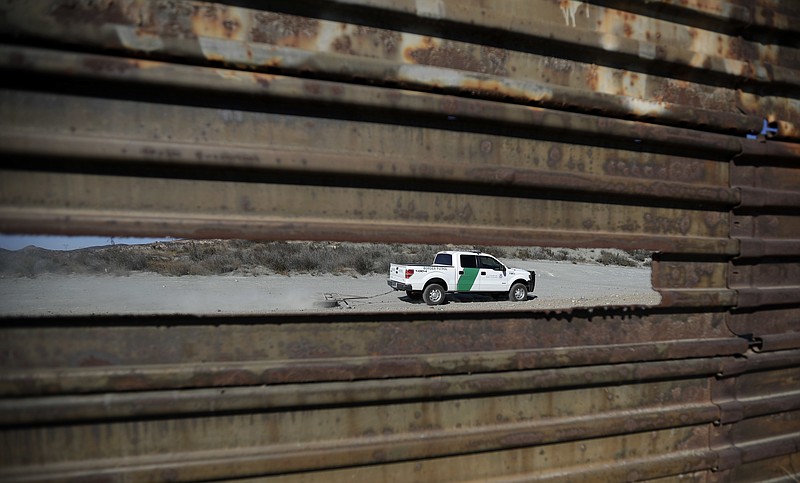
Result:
x=614 y=258
x=172 y=267
x=218 y=263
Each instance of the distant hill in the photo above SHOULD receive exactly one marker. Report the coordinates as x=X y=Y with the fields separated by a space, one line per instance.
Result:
x=214 y=257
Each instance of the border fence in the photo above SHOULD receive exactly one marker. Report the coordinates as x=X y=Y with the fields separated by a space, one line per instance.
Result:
x=665 y=125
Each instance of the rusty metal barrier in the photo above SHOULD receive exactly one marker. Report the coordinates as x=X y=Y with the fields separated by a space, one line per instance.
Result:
x=663 y=125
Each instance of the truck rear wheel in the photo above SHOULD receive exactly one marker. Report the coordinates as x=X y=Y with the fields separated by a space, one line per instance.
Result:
x=518 y=292
x=433 y=294
x=413 y=295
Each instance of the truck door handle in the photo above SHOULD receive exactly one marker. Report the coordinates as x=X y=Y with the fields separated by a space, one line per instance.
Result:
x=461 y=272
x=483 y=273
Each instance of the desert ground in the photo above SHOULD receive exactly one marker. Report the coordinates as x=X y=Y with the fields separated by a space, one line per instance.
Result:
x=558 y=285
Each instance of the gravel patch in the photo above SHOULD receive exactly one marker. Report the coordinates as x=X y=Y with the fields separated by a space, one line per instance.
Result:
x=559 y=285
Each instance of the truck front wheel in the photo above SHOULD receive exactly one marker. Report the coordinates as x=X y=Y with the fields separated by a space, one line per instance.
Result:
x=518 y=292
x=433 y=294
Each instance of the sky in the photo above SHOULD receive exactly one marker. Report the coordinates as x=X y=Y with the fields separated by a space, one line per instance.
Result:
x=16 y=242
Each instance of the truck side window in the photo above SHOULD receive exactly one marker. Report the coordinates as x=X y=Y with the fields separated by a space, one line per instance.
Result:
x=490 y=263
x=468 y=261
x=443 y=259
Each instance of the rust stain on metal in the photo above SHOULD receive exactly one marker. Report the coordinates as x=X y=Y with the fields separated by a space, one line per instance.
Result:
x=487 y=60
x=343 y=45
x=217 y=21
x=91 y=12
x=689 y=275
x=661 y=224
x=116 y=67
x=282 y=29
x=387 y=42
x=365 y=43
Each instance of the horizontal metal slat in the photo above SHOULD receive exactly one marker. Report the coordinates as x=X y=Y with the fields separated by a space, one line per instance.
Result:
x=771 y=296
x=697 y=297
x=756 y=393
x=676 y=465
x=765 y=199
x=689 y=275
x=423 y=444
x=83 y=342
x=771 y=229
x=30 y=113
x=44 y=380
x=770 y=152
x=455 y=111
x=761 y=321
x=150 y=404
x=769 y=469
x=768 y=274
x=777 y=342
x=332 y=393
x=147 y=156
x=483 y=85
x=738 y=409
x=581 y=32
x=761 y=248
x=786 y=443
x=598 y=27
x=732 y=17
x=768 y=361
x=738 y=456
x=520 y=418
x=687 y=455
x=84 y=203
x=761 y=174
x=422 y=62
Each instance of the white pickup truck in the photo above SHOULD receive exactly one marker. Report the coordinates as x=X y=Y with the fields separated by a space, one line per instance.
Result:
x=461 y=272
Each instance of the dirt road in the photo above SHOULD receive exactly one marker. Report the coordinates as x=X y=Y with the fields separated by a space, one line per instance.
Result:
x=559 y=285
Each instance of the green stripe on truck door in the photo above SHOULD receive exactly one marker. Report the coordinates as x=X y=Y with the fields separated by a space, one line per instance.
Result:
x=466 y=281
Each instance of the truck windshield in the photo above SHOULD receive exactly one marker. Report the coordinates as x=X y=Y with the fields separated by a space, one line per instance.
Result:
x=443 y=259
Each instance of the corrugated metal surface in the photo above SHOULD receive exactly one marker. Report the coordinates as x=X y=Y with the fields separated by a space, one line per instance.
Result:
x=536 y=122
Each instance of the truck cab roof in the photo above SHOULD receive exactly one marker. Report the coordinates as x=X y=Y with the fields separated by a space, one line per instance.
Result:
x=447 y=257
x=465 y=252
